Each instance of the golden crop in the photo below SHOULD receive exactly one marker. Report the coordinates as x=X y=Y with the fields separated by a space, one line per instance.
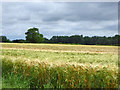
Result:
x=62 y=66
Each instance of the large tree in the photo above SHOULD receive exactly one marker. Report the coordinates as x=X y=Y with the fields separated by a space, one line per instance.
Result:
x=34 y=36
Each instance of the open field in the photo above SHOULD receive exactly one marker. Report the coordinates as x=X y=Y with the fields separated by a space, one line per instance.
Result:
x=59 y=65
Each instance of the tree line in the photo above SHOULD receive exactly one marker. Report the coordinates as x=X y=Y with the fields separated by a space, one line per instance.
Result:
x=33 y=36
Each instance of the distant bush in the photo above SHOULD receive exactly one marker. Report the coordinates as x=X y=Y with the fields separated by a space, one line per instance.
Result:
x=4 y=39
x=19 y=41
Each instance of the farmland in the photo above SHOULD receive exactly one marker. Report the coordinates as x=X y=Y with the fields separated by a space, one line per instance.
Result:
x=59 y=66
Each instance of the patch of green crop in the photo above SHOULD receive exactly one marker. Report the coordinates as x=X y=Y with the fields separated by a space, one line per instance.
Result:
x=11 y=80
x=62 y=56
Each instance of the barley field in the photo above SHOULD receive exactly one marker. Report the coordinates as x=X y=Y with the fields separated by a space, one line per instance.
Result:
x=26 y=65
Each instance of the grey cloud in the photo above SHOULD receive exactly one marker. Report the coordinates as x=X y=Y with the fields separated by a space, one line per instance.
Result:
x=85 y=11
x=59 y=18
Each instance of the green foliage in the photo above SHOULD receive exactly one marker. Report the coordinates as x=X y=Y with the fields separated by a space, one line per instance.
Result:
x=79 y=39
x=33 y=36
x=14 y=81
x=19 y=41
x=4 y=39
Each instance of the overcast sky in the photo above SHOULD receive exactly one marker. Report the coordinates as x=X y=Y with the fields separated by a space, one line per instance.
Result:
x=59 y=18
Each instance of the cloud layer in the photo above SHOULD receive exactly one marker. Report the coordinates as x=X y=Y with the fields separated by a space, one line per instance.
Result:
x=63 y=18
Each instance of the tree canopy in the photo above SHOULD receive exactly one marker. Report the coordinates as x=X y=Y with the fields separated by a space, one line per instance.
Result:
x=33 y=36
x=4 y=39
x=86 y=40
